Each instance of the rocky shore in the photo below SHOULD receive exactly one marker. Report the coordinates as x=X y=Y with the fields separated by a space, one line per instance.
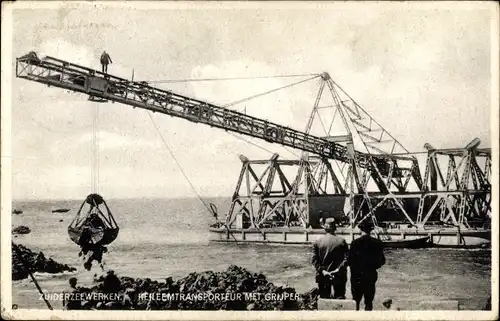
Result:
x=234 y=289
x=37 y=263
x=21 y=230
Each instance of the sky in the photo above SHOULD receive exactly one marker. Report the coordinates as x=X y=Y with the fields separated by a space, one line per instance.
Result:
x=422 y=72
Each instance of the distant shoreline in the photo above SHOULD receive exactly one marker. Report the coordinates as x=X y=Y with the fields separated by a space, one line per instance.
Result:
x=29 y=200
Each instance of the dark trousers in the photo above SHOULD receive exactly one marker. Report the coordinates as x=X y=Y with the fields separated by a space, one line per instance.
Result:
x=104 y=68
x=363 y=285
x=325 y=287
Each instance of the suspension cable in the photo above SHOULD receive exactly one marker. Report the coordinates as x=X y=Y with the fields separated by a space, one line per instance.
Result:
x=97 y=150
x=290 y=151
x=92 y=151
x=225 y=79
x=187 y=179
x=268 y=92
x=248 y=98
x=250 y=142
x=94 y=159
x=178 y=164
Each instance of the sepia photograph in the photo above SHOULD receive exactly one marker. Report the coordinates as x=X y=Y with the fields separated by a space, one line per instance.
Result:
x=250 y=160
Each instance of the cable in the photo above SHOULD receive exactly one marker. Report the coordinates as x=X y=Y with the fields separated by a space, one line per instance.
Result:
x=97 y=150
x=267 y=92
x=288 y=150
x=224 y=79
x=263 y=148
x=187 y=178
x=251 y=143
x=94 y=148
x=94 y=151
x=177 y=162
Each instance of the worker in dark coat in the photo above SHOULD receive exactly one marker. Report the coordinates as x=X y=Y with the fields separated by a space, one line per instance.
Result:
x=366 y=256
x=69 y=301
x=330 y=261
x=105 y=61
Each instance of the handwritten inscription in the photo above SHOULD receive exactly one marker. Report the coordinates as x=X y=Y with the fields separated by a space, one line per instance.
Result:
x=75 y=25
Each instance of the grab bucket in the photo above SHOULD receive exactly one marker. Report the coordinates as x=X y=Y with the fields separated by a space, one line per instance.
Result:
x=93 y=224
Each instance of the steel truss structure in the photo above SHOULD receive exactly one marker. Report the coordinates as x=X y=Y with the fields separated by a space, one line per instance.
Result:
x=263 y=191
x=391 y=181
x=364 y=163
x=463 y=196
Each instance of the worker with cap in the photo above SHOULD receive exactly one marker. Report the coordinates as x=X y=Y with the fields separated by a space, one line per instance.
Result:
x=330 y=254
x=69 y=298
x=105 y=61
x=366 y=256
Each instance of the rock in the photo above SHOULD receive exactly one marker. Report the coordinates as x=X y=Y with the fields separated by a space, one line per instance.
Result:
x=310 y=300
x=21 y=230
x=113 y=305
x=228 y=284
x=86 y=305
x=37 y=262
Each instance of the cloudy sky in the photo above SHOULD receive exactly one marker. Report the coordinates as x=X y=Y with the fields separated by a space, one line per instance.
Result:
x=422 y=72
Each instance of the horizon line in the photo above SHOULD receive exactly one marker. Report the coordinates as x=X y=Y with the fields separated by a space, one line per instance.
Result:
x=119 y=198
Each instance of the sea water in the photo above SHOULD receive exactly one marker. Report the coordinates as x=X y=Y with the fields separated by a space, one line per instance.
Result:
x=169 y=237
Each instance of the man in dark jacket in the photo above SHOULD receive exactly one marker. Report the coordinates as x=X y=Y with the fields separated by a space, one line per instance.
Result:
x=365 y=257
x=330 y=260
x=105 y=61
x=69 y=301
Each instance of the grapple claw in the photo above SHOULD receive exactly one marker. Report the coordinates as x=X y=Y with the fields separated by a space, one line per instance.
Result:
x=95 y=226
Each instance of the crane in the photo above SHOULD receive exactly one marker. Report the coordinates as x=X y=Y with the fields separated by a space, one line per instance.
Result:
x=104 y=87
x=391 y=172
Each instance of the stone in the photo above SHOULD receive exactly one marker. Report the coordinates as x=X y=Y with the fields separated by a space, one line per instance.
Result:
x=21 y=230
x=205 y=282
x=37 y=262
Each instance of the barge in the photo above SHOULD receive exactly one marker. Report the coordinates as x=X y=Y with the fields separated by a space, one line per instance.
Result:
x=453 y=212
x=393 y=238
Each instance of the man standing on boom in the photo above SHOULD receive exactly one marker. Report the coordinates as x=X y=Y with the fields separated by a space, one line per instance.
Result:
x=105 y=61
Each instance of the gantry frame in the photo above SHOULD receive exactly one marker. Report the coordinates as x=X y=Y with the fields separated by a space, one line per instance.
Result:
x=384 y=173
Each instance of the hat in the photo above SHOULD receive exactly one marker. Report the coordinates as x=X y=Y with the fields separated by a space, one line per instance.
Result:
x=329 y=224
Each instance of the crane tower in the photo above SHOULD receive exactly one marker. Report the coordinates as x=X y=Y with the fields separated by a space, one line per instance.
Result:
x=362 y=173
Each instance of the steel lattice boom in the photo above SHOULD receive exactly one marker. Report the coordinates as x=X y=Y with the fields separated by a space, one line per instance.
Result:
x=383 y=182
x=59 y=73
